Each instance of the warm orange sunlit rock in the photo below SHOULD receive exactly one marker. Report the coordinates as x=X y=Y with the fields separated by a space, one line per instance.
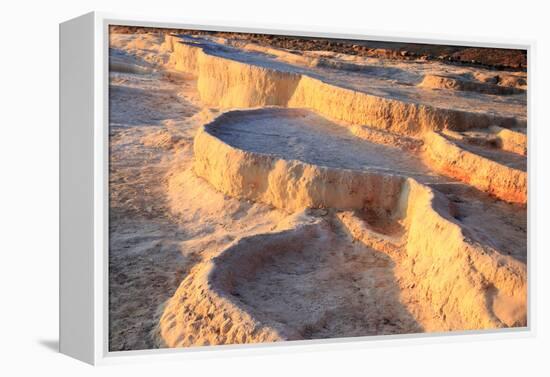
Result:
x=260 y=194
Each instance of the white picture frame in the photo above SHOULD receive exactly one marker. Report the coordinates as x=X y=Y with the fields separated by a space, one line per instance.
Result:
x=84 y=191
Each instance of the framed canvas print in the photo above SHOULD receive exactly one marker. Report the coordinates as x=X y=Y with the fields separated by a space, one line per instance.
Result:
x=236 y=189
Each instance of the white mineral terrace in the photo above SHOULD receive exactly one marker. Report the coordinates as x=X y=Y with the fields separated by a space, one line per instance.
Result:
x=299 y=134
x=396 y=82
x=260 y=194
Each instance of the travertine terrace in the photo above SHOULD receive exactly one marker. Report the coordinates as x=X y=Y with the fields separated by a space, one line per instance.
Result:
x=260 y=194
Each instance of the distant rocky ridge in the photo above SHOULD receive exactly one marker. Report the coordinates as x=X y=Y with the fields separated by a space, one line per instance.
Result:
x=495 y=58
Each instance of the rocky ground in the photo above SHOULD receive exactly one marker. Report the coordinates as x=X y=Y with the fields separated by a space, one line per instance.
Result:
x=464 y=55
x=354 y=192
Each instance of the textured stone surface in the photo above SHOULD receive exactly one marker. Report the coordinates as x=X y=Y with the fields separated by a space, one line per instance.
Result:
x=343 y=199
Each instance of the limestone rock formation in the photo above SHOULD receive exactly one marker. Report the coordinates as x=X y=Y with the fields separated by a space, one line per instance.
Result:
x=318 y=194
